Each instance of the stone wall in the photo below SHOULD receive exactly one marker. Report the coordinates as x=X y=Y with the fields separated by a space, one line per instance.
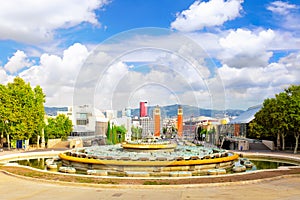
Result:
x=52 y=142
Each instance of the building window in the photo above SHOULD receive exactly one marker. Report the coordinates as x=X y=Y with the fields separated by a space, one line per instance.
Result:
x=82 y=122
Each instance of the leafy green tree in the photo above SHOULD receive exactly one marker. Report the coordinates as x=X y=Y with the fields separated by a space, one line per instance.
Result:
x=121 y=132
x=59 y=127
x=21 y=110
x=279 y=117
x=267 y=122
x=108 y=132
x=293 y=112
x=136 y=133
x=4 y=113
x=39 y=115
x=51 y=129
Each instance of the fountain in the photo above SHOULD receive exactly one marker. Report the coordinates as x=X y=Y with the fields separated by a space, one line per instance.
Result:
x=149 y=158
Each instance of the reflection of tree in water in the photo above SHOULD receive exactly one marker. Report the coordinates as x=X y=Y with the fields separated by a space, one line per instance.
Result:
x=268 y=164
x=38 y=163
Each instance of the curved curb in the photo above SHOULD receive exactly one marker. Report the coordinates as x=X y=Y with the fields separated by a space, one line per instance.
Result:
x=127 y=186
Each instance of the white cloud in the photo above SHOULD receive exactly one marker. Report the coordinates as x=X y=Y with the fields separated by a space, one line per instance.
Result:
x=244 y=48
x=250 y=86
x=3 y=76
x=57 y=74
x=17 y=62
x=33 y=21
x=286 y=15
x=284 y=40
x=169 y=74
x=207 y=14
x=281 y=8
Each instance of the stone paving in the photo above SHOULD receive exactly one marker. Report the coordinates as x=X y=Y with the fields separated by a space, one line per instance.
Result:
x=12 y=188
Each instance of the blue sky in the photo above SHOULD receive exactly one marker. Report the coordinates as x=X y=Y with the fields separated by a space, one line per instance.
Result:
x=253 y=45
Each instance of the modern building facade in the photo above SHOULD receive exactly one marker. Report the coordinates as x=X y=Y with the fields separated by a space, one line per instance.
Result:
x=86 y=120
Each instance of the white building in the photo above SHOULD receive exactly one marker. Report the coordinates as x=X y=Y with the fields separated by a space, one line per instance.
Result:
x=87 y=121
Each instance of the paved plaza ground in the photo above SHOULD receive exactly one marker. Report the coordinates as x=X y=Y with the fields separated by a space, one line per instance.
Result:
x=13 y=188
x=284 y=187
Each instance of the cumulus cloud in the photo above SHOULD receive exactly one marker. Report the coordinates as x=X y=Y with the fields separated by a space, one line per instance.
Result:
x=207 y=14
x=244 y=48
x=57 y=74
x=281 y=8
x=17 y=62
x=33 y=21
x=124 y=85
x=250 y=86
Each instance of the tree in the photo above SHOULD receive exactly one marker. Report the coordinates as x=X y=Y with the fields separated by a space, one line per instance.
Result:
x=279 y=117
x=136 y=133
x=39 y=115
x=51 y=129
x=121 y=132
x=108 y=132
x=59 y=127
x=293 y=110
x=21 y=110
x=282 y=103
x=3 y=113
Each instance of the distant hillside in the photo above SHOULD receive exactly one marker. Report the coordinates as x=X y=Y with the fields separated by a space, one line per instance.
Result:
x=167 y=111
x=188 y=111
x=52 y=111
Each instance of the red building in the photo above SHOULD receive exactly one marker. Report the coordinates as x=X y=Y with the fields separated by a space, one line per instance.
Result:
x=143 y=109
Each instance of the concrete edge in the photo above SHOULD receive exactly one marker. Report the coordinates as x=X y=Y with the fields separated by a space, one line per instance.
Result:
x=127 y=186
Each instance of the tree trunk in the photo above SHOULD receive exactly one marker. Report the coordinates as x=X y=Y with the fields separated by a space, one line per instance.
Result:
x=38 y=142
x=1 y=140
x=297 y=142
x=278 y=141
x=8 y=142
x=283 y=141
x=43 y=139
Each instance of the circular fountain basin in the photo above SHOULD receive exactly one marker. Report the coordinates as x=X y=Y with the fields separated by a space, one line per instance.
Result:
x=285 y=164
x=182 y=161
x=147 y=146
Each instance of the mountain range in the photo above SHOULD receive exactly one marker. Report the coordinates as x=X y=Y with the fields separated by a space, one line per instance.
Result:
x=189 y=111
x=168 y=111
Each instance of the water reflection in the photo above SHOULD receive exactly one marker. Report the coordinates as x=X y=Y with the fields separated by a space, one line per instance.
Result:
x=38 y=163
x=261 y=164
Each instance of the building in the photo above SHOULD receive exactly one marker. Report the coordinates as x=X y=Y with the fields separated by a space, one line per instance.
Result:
x=86 y=120
x=147 y=125
x=189 y=131
x=143 y=109
x=238 y=127
x=180 y=122
x=157 y=121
